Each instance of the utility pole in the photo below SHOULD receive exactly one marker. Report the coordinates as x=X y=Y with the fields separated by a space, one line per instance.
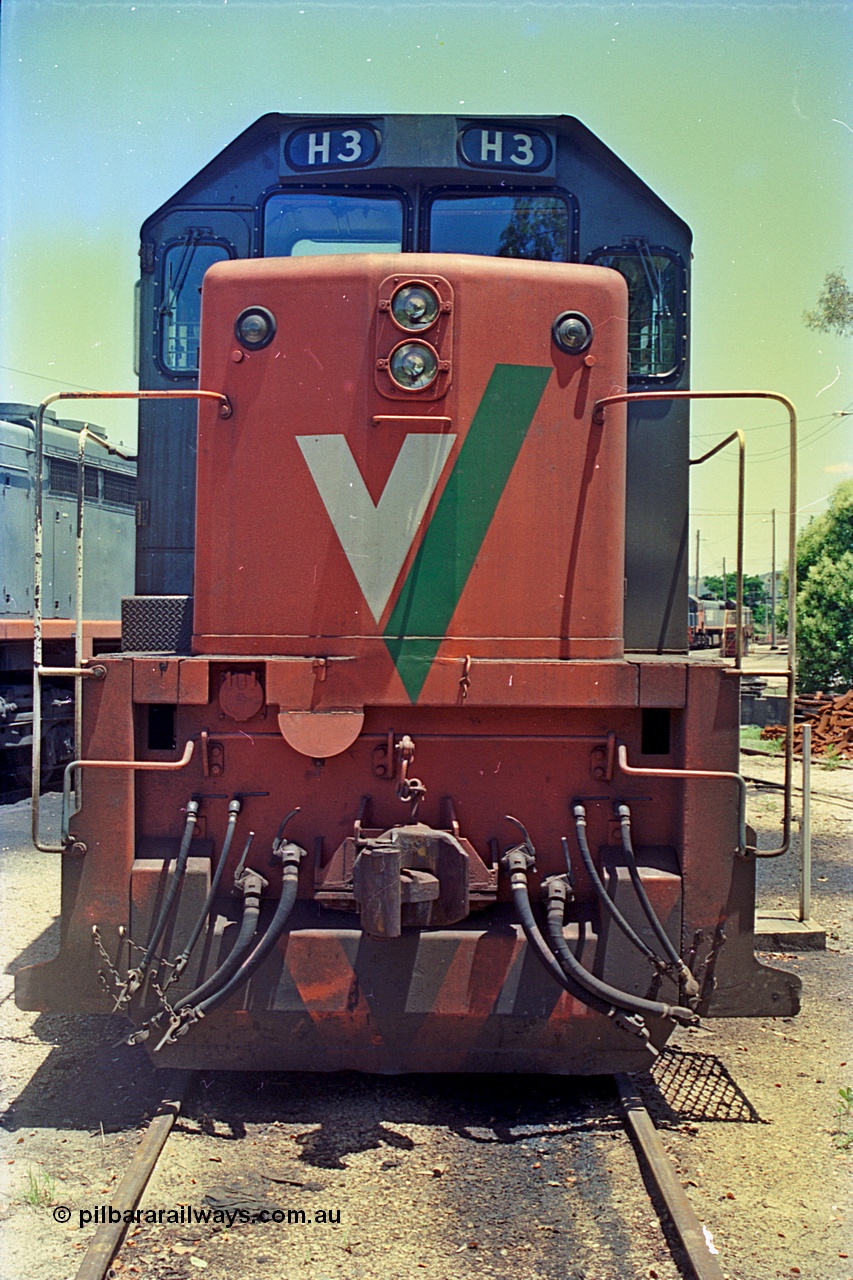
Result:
x=773 y=585
x=725 y=582
x=696 y=579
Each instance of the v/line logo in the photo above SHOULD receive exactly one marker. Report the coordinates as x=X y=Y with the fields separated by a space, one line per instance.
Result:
x=376 y=537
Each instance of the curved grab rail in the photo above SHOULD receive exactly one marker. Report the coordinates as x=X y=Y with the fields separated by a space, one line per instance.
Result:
x=150 y=766
x=628 y=397
x=38 y=560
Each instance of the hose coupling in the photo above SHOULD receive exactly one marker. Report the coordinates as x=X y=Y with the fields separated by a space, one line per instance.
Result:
x=557 y=889
x=289 y=854
x=250 y=883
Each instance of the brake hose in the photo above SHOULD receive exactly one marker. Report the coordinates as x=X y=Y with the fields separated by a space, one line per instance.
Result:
x=558 y=892
x=657 y=962
x=517 y=861
x=291 y=856
x=183 y=959
x=691 y=986
x=135 y=976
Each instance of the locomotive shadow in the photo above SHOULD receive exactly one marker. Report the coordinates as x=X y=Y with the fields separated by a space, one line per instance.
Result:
x=527 y=1132
x=89 y=1080
x=346 y=1113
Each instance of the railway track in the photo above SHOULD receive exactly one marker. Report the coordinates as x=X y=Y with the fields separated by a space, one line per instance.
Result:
x=692 y=1257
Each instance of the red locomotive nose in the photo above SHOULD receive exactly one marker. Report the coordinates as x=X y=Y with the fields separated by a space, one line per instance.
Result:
x=461 y=503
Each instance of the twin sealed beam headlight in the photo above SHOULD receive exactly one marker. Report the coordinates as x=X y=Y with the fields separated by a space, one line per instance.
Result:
x=413 y=337
x=413 y=365
x=415 y=306
x=254 y=328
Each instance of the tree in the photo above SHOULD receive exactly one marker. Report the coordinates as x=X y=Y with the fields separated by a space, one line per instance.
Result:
x=754 y=593
x=834 y=310
x=537 y=229
x=825 y=597
x=825 y=626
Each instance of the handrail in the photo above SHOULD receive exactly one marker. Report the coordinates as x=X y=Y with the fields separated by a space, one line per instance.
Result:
x=77 y=671
x=150 y=766
x=627 y=397
x=714 y=774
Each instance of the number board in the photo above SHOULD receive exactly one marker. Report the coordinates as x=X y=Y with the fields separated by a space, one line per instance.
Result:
x=527 y=151
x=339 y=148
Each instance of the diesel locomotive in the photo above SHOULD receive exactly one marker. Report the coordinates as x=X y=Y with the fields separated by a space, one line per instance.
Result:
x=404 y=764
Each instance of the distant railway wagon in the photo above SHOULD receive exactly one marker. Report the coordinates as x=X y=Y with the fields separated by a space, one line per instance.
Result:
x=109 y=498
x=404 y=764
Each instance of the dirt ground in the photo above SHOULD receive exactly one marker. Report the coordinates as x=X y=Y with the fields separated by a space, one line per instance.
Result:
x=444 y=1177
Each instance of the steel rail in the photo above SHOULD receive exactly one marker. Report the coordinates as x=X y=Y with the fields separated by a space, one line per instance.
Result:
x=679 y=1209
x=108 y=1237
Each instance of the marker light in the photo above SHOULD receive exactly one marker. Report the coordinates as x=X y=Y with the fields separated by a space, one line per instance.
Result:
x=572 y=332
x=413 y=365
x=415 y=306
x=255 y=328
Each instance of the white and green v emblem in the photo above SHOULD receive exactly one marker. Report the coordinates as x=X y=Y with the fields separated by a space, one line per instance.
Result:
x=376 y=538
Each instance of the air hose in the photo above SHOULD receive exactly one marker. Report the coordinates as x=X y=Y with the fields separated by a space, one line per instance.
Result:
x=660 y=965
x=291 y=855
x=135 y=976
x=252 y=886
x=691 y=986
x=558 y=893
x=183 y=959
x=517 y=861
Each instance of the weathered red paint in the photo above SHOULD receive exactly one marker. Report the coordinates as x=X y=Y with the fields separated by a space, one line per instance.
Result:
x=559 y=523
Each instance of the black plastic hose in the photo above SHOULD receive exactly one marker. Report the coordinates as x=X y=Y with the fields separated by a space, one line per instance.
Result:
x=135 y=976
x=604 y=897
x=276 y=927
x=183 y=959
x=691 y=986
x=245 y=938
x=624 y=1000
x=539 y=947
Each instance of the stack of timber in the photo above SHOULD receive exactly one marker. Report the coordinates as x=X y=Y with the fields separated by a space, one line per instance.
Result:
x=831 y=720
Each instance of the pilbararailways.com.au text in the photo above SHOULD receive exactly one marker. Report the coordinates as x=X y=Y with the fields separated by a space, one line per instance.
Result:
x=189 y=1215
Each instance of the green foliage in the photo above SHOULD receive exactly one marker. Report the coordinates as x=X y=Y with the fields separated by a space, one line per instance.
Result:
x=40 y=1186
x=834 y=310
x=825 y=626
x=844 y=1119
x=825 y=597
x=535 y=230
x=830 y=534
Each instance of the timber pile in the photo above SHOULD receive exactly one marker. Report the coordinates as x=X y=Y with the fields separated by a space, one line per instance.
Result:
x=831 y=720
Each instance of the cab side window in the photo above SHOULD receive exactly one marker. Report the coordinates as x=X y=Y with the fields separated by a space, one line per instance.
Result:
x=184 y=265
x=657 y=307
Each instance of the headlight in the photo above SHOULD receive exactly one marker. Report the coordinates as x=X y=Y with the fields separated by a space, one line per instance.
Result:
x=415 y=306
x=255 y=328
x=413 y=365
x=572 y=332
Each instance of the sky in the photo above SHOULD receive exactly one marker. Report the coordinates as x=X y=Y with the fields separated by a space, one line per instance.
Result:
x=739 y=115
